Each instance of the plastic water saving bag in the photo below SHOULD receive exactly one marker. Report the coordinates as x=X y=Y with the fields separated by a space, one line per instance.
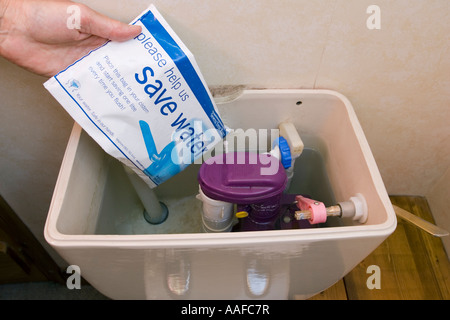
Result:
x=143 y=101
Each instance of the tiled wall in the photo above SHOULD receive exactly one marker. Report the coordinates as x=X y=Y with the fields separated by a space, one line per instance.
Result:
x=396 y=77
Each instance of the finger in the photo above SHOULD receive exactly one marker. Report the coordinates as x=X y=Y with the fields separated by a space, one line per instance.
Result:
x=102 y=26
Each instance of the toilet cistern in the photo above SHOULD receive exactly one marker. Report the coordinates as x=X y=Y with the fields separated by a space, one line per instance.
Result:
x=125 y=258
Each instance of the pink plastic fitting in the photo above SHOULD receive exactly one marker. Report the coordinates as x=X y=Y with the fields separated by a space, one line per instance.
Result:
x=316 y=208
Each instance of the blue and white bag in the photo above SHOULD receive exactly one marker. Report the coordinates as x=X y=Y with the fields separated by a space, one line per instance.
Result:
x=144 y=101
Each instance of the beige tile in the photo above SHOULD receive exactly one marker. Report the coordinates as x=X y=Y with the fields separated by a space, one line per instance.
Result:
x=256 y=43
x=389 y=75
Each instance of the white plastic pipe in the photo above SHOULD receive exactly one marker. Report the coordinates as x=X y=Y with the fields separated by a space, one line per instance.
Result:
x=155 y=212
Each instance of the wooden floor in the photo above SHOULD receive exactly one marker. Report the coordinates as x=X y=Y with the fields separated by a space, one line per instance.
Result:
x=413 y=264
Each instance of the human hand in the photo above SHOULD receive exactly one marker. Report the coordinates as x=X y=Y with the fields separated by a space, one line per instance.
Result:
x=34 y=34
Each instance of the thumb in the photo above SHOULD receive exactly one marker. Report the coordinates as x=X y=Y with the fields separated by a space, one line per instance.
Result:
x=102 y=26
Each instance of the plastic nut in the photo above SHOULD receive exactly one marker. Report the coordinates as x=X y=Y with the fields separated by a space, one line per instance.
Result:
x=316 y=208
